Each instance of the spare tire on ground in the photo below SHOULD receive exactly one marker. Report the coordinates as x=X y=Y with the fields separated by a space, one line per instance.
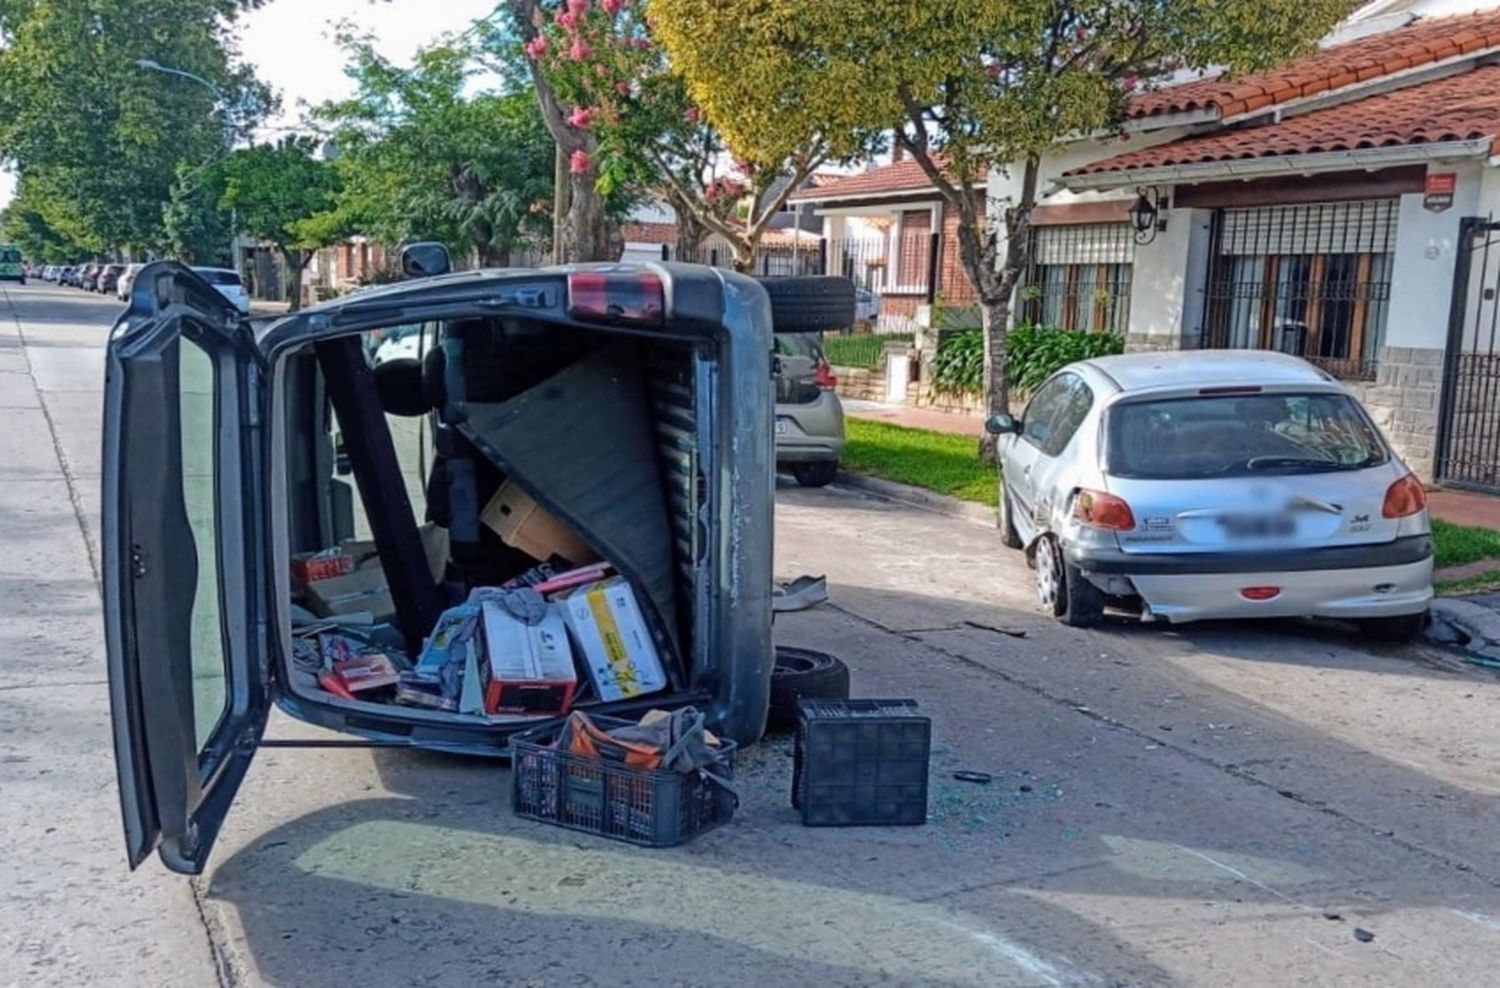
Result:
x=803 y=673
x=810 y=304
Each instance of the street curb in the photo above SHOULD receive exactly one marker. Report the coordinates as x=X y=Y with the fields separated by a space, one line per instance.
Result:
x=916 y=497
x=1480 y=624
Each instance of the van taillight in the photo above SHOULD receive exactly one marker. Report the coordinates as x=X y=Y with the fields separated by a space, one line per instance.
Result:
x=1097 y=509
x=597 y=296
x=824 y=377
x=1404 y=498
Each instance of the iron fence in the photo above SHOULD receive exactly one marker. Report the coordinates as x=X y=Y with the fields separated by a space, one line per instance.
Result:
x=882 y=265
x=1311 y=280
x=1078 y=277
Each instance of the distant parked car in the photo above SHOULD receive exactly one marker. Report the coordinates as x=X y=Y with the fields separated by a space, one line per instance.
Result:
x=1213 y=484
x=228 y=284
x=127 y=279
x=89 y=277
x=108 y=279
x=866 y=306
x=809 y=416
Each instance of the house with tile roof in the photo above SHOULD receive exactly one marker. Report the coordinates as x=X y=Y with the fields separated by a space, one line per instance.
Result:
x=1339 y=207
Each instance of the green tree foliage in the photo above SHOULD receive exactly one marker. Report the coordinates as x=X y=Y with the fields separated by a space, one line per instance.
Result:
x=422 y=159
x=198 y=229
x=963 y=85
x=100 y=137
x=284 y=195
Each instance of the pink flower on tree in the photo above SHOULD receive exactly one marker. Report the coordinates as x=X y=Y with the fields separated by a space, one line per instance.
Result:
x=567 y=20
x=692 y=115
x=612 y=7
x=580 y=52
x=623 y=88
x=601 y=70
x=640 y=44
x=581 y=117
x=578 y=162
x=1130 y=83
x=578 y=8
x=537 y=47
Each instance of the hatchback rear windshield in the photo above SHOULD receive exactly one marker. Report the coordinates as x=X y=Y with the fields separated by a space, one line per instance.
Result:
x=1240 y=435
x=218 y=277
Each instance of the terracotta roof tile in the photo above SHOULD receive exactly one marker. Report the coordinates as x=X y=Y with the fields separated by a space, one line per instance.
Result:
x=1457 y=108
x=898 y=176
x=1420 y=43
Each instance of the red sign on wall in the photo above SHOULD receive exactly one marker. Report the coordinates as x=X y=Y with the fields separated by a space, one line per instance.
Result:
x=1437 y=191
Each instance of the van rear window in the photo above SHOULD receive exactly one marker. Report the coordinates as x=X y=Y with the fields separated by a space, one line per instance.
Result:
x=1240 y=435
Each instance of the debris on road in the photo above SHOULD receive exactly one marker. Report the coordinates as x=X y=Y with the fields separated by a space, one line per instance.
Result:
x=1363 y=935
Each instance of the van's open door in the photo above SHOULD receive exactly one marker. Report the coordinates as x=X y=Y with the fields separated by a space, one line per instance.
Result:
x=184 y=570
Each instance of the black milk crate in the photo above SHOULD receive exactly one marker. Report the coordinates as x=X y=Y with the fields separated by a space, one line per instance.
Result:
x=650 y=807
x=861 y=762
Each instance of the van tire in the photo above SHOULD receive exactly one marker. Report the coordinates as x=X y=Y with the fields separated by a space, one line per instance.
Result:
x=810 y=304
x=803 y=673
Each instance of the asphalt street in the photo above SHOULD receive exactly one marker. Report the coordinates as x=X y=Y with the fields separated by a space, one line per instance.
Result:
x=1225 y=804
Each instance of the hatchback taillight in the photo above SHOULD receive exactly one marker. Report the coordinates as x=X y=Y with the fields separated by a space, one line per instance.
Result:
x=1404 y=498
x=1100 y=510
x=824 y=377
x=598 y=296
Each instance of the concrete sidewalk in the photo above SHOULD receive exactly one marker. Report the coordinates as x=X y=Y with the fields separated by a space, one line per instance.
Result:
x=70 y=911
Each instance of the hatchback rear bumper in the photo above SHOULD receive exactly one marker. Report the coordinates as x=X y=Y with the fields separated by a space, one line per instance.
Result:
x=1350 y=582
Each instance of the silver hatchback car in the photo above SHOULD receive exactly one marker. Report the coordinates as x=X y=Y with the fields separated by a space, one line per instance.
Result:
x=1213 y=484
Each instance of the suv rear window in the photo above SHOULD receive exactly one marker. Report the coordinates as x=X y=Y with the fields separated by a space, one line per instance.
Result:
x=218 y=277
x=1239 y=436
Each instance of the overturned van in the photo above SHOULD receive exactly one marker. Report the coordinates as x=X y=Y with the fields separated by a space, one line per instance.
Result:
x=630 y=403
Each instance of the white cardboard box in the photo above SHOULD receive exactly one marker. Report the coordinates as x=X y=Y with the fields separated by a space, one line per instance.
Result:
x=618 y=650
x=530 y=666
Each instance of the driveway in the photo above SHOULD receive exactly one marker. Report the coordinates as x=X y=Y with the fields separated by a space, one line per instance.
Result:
x=1215 y=805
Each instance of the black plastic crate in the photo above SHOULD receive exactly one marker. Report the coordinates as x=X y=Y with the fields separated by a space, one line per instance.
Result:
x=650 y=807
x=861 y=763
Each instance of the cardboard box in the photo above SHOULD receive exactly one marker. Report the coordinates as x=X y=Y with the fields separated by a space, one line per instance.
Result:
x=310 y=567
x=618 y=650
x=364 y=590
x=368 y=672
x=522 y=523
x=530 y=666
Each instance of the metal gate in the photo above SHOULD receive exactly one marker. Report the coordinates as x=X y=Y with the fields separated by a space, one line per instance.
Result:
x=1468 y=451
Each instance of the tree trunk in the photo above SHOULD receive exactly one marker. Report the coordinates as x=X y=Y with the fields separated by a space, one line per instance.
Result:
x=296 y=263
x=588 y=234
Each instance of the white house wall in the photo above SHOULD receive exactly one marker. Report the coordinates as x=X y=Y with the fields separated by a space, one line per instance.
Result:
x=1167 y=281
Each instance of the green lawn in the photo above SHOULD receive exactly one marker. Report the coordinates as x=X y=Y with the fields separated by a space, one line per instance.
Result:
x=937 y=461
x=1456 y=544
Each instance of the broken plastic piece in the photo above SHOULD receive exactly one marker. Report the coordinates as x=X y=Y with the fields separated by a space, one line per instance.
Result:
x=800 y=594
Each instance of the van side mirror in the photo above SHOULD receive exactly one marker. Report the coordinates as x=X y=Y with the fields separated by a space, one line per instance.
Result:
x=1002 y=424
x=425 y=259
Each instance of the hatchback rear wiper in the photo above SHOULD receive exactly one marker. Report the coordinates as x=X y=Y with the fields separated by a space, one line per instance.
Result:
x=1268 y=462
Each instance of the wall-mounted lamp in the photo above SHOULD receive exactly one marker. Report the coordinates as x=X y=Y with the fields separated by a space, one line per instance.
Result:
x=1146 y=214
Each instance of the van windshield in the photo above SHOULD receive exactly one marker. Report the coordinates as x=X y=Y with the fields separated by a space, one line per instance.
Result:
x=1240 y=435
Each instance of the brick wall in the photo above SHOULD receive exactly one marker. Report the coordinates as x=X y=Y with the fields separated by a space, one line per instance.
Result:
x=1403 y=401
x=953 y=284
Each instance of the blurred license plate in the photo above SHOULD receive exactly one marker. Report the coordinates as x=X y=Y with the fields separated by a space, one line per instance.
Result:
x=1257 y=526
x=783 y=426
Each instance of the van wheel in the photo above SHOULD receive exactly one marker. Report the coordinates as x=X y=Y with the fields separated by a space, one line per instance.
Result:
x=810 y=304
x=816 y=473
x=1009 y=537
x=799 y=673
x=1063 y=591
x=1401 y=628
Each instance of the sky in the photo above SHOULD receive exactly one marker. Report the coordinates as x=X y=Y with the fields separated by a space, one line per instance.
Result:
x=290 y=44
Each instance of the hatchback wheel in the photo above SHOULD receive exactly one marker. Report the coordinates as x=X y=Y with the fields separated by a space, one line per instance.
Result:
x=1063 y=591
